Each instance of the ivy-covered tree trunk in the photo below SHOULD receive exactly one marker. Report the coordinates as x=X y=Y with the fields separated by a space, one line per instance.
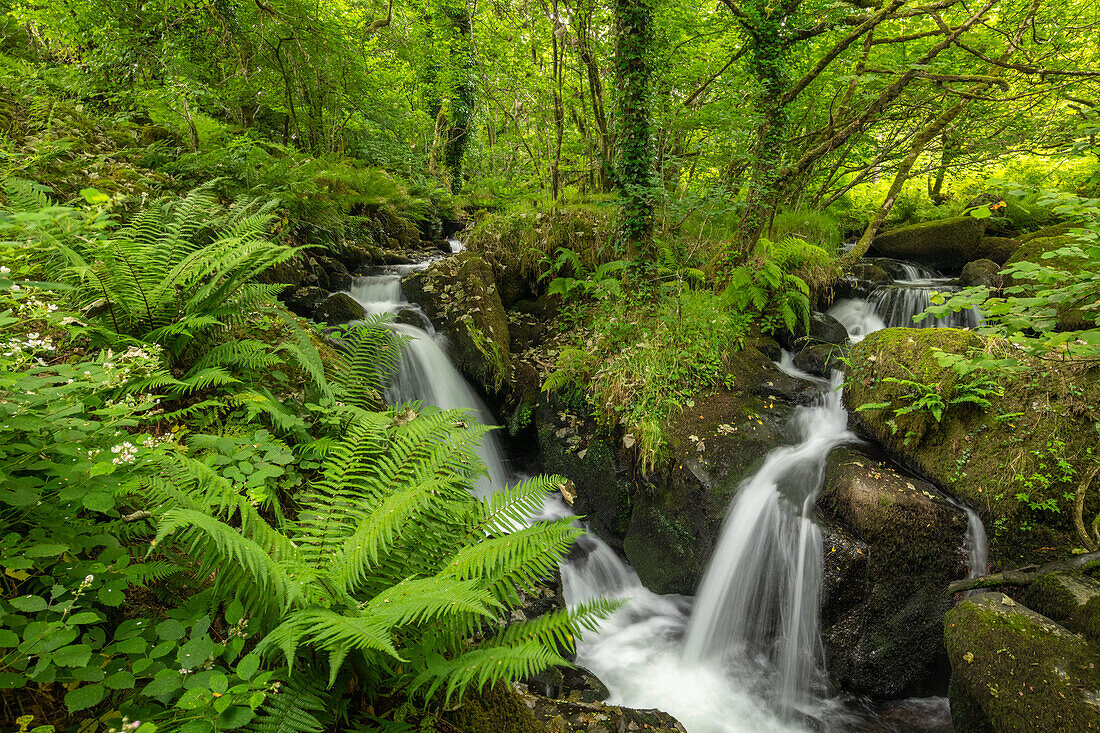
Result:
x=463 y=90
x=635 y=173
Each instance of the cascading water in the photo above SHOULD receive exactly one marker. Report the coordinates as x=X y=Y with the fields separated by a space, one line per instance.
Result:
x=895 y=304
x=759 y=595
x=749 y=654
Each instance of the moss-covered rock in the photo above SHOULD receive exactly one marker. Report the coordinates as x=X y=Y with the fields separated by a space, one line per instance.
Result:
x=997 y=249
x=337 y=309
x=498 y=709
x=667 y=521
x=460 y=296
x=1017 y=670
x=947 y=244
x=1071 y=599
x=1013 y=461
x=981 y=272
x=1054 y=230
x=884 y=637
x=820 y=359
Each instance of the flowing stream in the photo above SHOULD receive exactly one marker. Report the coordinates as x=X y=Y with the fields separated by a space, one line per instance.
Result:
x=745 y=655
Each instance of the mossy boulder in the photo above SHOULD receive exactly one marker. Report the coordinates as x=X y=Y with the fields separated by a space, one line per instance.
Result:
x=1070 y=316
x=1054 y=230
x=946 y=245
x=981 y=272
x=667 y=520
x=1072 y=599
x=338 y=309
x=1013 y=461
x=820 y=359
x=997 y=249
x=884 y=636
x=497 y=709
x=1014 y=670
x=460 y=296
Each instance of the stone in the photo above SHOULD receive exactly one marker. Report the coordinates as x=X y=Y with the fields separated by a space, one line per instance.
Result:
x=1013 y=669
x=984 y=456
x=562 y=716
x=820 y=359
x=460 y=296
x=899 y=544
x=338 y=309
x=946 y=244
x=998 y=249
x=303 y=301
x=1071 y=599
x=1070 y=315
x=981 y=272
x=821 y=329
x=331 y=273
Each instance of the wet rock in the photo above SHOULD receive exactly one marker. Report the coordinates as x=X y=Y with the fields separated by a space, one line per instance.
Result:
x=885 y=639
x=497 y=709
x=1071 y=599
x=411 y=317
x=982 y=455
x=981 y=272
x=947 y=244
x=561 y=716
x=572 y=684
x=331 y=273
x=667 y=521
x=1055 y=230
x=460 y=297
x=303 y=301
x=821 y=329
x=1013 y=669
x=820 y=359
x=338 y=309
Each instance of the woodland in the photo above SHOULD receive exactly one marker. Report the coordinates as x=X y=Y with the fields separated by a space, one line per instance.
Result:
x=656 y=241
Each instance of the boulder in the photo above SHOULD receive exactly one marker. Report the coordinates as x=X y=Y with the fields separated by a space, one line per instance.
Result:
x=338 y=309
x=667 y=521
x=1001 y=458
x=998 y=249
x=496 y=709
x=946 y=245
x=1054 y=230
x=981 y=272
x=303 y=301
x=460 y=297
x=883 y=636
x=1013 y=669
x=331 y=273
x=820 y=359
x=1071 y=599
x=821 y=329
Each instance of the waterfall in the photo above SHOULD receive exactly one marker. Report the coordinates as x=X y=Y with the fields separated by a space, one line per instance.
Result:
x=894 y=305
x=977 y=546
x=759 y=595
x=426 y=373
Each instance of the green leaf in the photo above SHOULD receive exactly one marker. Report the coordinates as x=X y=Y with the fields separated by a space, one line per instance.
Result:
x=234 y=717
x=165 y=683
x=248 y=666
x=194 y=653
x=94 y=196
x=85 y=696
x=121 y=680
x=194 y=698
x=29 y=604
x=171 y=630
x=74 y=655
x=85 y=617
x=9 y=638
x=98 y=501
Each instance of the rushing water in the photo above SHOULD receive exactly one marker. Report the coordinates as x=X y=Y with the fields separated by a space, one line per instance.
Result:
x=895 y=304
x=745 y=656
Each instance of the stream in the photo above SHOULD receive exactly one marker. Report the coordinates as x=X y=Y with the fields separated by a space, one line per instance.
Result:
x=745 y=654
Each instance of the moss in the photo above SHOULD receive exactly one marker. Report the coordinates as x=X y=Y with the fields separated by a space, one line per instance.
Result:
x=1071 y=599
x=998 y=249
x=1023 y=671
x=966 y=714
x=987 y=457
x=1055 y=230
x=947 y=244
x=494 y=710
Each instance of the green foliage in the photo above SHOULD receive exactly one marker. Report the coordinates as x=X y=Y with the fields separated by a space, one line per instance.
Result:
x=776 y=298
x=662 y=353
x=601 y=283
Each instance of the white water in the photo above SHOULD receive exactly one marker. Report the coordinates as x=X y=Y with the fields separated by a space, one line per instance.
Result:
x=894 y=305
x=750 y=655
x=977 y=547
x=759 y=596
